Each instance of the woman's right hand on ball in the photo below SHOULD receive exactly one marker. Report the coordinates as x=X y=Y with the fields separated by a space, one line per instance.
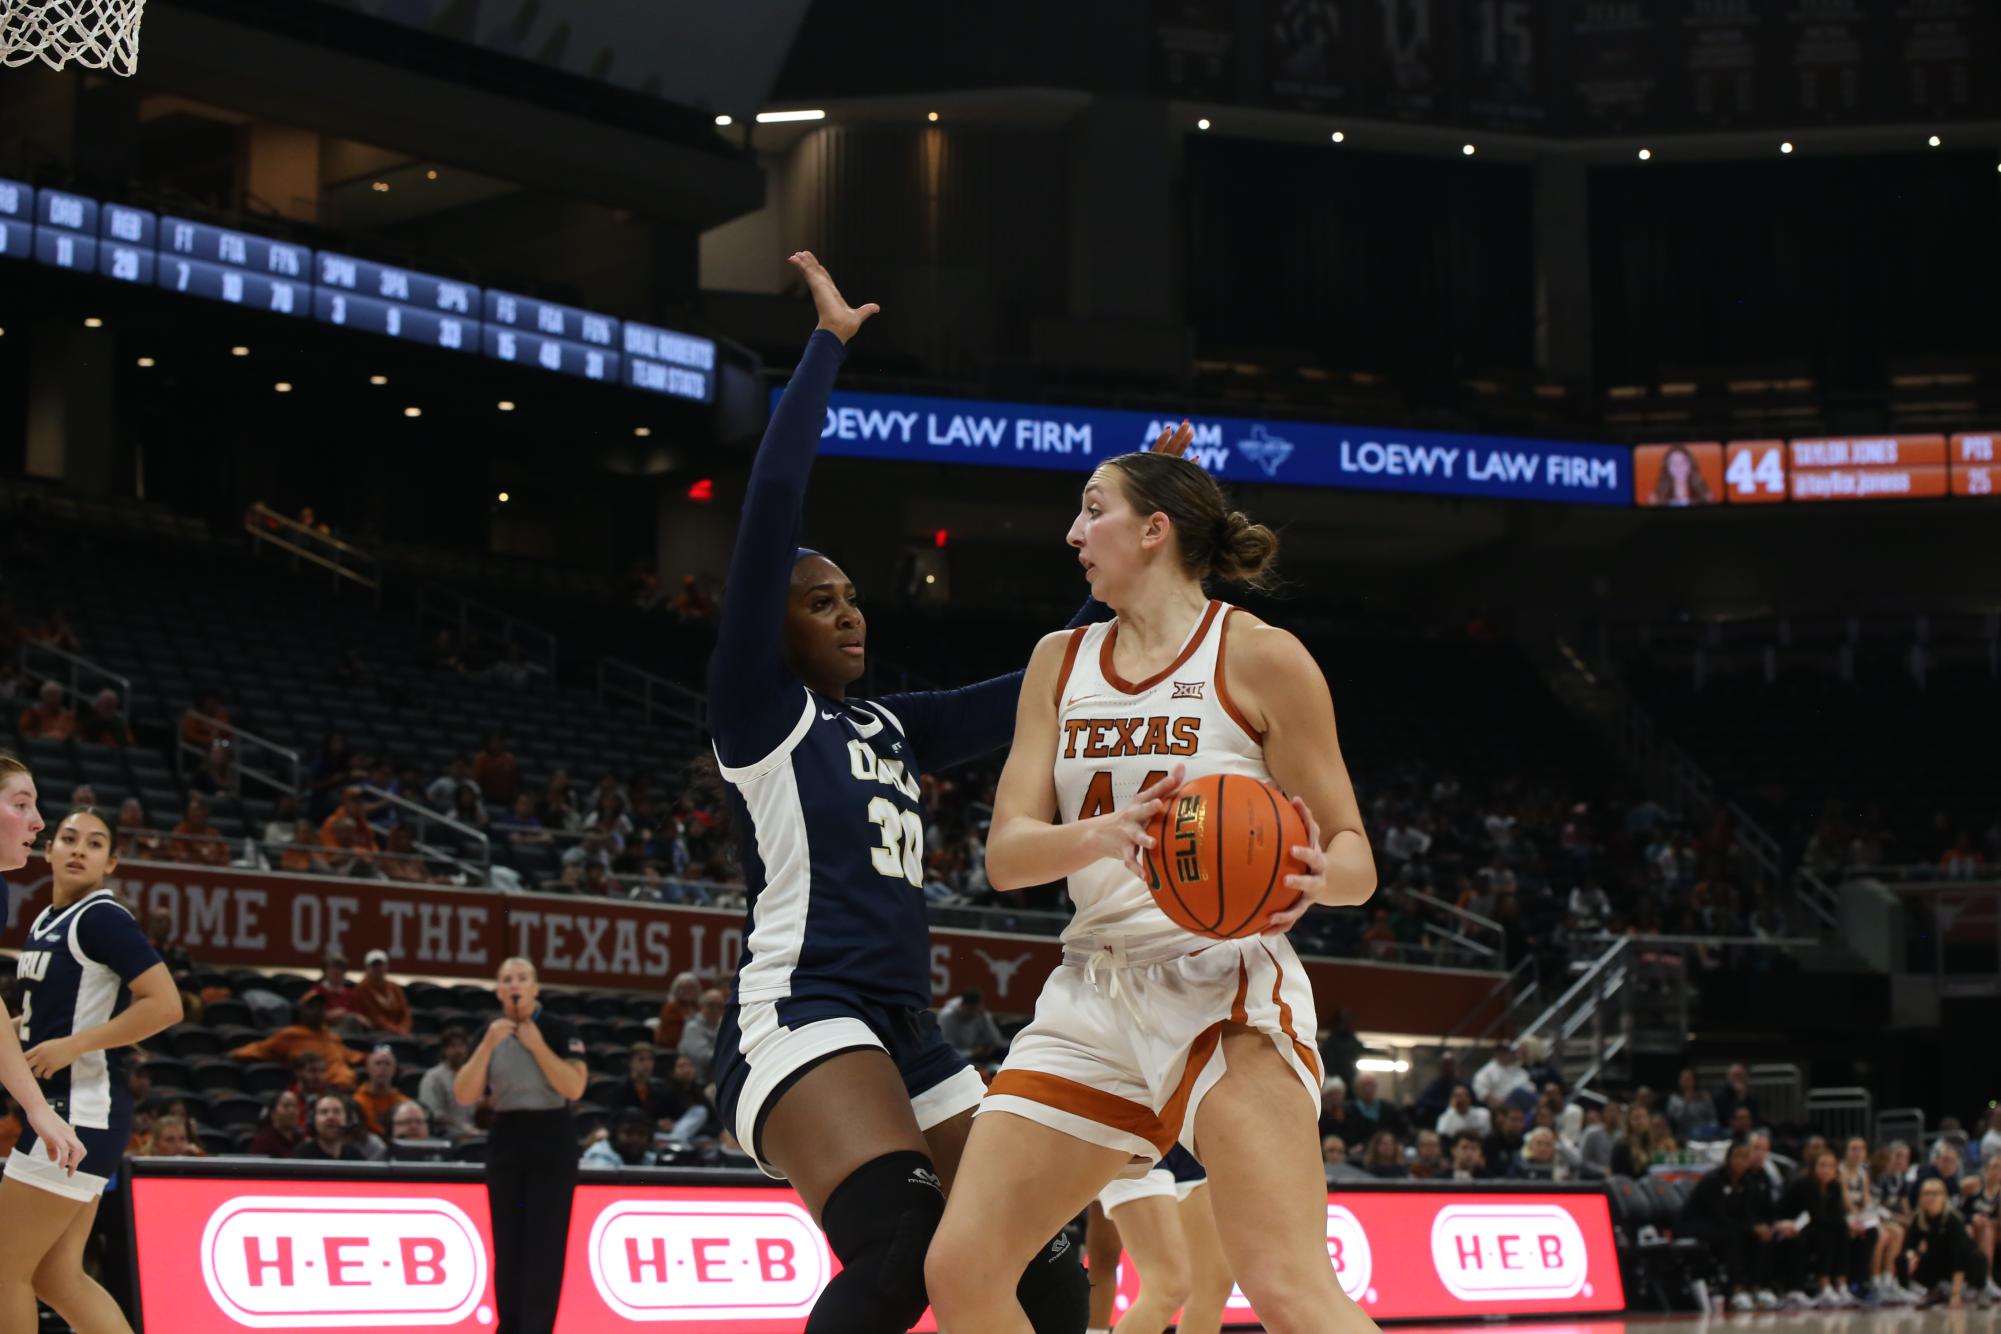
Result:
x=1123 y=835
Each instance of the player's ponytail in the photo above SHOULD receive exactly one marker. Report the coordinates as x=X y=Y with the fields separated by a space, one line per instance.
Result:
x=1245 y=552
x=1213 y=539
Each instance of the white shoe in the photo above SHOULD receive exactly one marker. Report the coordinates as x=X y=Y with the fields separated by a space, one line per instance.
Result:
x=1888 y=1293
x=1795 y=1297
x=1742 y=1303
x=1843 y=1298
x=1992 y=1292
x=1825 y=1300
x=1767 y=1300
x=1917 y=1294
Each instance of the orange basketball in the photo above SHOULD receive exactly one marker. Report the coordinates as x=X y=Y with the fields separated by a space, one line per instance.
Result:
x=1222 y=850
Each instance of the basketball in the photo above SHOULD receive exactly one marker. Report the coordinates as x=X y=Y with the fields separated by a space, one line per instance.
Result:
x=1222 y=850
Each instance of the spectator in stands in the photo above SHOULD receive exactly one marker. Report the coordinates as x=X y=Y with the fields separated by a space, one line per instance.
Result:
x=698 y=1034
x=48 y=717
x=1730 y=1213
x=206 y=723
x=1939 y=1253
x=587 y=851
x=1983 y=1214
x=1337 y=1117
x=684 y=997
x=1689 y=1109
x=970 y=1028
x=344 y=853
x=301 y=853
x=469 y=810
x=196 y=840
x=598 y=883
x=1334 y=1151
x=380 y=1002
x=329 y=1142
x=1437 y=1095
x=1469 y=1159
x=1735 y=1093
x=1464 y=1117
x=1633 y=1153
x=1740 y=1124
x=136 y=838
x=340 y=996
x=1944 y=1166
x=1341 y=1048
x=630 y=1143
x=105 y=724
x=639 y=1088
x=379 y=1097
x=611 y=820
x=409 y=1121
x=1504 y=1144
x=1430 y=1160
x=353 y=809
x=400 y=861
x=691 y=604
x=1384 y=1157
x=309 y=1078
x=559 y=802
x=496 y=772
x=283 y=1128
x=1604 y=1125
x=453 y=1119
x=1875 y=1239
x=1812 y=1260
x=1763 y=1166
x=1990 y=1143
x=1370 y=1108
x=330 y=769
x=1503 y=1079
x=1538 y=1160
x=171 y=1139
x=309 y=1033
x=283 y=825
x=689 y=1105
x=380 y=806
x=217 y=775
x=522 y=827
x=443 y=792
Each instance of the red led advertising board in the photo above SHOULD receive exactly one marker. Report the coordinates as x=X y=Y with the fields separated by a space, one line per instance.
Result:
x=219 y=1249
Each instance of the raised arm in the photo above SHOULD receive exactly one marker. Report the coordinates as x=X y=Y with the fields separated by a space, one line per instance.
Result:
x=749 y=705
x=1026 y=844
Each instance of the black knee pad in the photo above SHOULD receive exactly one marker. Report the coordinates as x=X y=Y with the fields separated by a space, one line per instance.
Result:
x=879 y=1222
x=1054 y=1291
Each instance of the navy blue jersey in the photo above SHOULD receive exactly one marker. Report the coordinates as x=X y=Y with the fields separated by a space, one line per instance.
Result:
x=76 y=969
x=825 y=790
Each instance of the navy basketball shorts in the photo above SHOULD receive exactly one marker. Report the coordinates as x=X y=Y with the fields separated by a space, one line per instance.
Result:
x=764 y=1048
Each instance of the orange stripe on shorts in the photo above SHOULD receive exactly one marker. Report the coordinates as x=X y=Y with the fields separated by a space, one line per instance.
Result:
x=1067 y=1095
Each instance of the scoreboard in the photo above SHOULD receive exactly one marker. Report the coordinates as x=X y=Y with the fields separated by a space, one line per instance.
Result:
x=1771 y=472
x=137 y=246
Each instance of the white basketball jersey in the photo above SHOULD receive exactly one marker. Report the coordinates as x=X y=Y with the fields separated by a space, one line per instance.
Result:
x=1117 y=737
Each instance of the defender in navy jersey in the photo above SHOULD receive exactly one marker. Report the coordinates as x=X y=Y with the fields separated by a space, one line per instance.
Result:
x=91 y=986
x=830 y=1068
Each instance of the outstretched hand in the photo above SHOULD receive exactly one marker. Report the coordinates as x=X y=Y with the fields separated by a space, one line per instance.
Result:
x=1174 y=441
x=836 y=315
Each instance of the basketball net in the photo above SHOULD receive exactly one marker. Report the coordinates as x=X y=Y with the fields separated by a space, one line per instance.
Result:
x=97 y=34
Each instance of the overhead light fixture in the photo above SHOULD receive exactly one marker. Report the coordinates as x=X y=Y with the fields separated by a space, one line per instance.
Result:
x=1786 y=147
x=1933 y=141
x=1339 y=137
x=413 y=412
x=382 y=187
x=931 y=116
x=1646 y=154
x=725 y=120
x=786 y=117
x=503 y=497
x=239 y=351
x=283 y=386
x=93 y=323
x=1381 y=1065
x=146 y=362
x=1202 y=124
x=1468 y=149
x=505 y=405
x=642 y=431
x=930 y=578
x=378 y=379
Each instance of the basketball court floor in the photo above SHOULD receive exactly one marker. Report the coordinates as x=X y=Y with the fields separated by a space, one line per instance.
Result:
x=1899 y=1320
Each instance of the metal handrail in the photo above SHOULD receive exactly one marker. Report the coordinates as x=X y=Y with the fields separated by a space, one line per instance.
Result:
x=183 y=749
x=77 y=665
x=341 y=559
x=425 y=815
x=1504 y=984
x=437 y=604
x=1656 y=938
x=1585 y=1003
x=621 y=680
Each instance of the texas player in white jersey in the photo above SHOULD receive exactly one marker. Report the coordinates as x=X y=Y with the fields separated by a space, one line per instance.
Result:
x=1148 y=1034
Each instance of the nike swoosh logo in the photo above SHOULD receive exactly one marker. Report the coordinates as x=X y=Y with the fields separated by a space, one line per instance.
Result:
x=829 y=716
x=1075 y=700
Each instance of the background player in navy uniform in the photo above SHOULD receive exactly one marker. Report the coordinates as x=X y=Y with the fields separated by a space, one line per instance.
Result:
x=91 y=986
x=830 y=1067
x=20 y=824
